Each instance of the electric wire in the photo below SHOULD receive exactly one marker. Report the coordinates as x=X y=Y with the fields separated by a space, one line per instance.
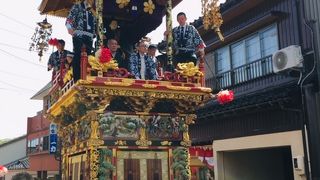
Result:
x=15 y=33
x=17 y=87
x=14 y=90
x=20 y=48
x=17 y=21
x=21 y=76
x=21 y=59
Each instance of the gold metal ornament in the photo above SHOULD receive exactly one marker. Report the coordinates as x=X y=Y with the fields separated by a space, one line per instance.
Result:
x=212 y=18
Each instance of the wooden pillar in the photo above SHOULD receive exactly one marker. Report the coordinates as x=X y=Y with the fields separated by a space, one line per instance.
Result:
x=83 y=63
x=100 y=28
x=170 y=66
x=202 y=69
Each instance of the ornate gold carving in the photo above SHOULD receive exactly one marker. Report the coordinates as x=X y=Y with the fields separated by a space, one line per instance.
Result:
x=212 y=18
x=82 y=81
x=94 y=159
x=141 y=104
x=150 y=86
x=143 y=139
x=166 y=143
x=179 y=88
x=185 y=137
x=207 y=90
x=120 y=143
x=97 y=65
x=94 y=129
x=190 y=118
x=188 y=69
x=109 y=83
x=126 y=80
x=95 y=142
x=68 y=76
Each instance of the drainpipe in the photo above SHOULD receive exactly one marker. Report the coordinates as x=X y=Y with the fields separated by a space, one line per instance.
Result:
x=306 y=128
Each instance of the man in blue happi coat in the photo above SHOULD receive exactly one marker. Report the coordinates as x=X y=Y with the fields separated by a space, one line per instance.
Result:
x=141 y=65
x=81 y=25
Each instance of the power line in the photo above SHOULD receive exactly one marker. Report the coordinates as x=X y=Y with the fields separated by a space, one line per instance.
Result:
x=21 y=76
x=12 y=19
x=13 y=90
x=14 y=86
x=15 y=33
x=12 y=46
x=20 y=48
x=19 y=58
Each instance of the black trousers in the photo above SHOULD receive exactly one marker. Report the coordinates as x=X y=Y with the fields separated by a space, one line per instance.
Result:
x=185 y=57
x=78 y=42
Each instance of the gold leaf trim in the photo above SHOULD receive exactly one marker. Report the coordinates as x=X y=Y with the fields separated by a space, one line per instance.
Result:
x=208 y=90
x=179 y=88
x=150 y=86
x=81 y=81
x=128 y=81
x=108 y=83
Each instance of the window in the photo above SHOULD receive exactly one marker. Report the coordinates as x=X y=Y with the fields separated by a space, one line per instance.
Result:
x=253 y=48
x=29 y=146
x=38 y=144
x=41 y=143
x=244 y=57
x=269 y=41
x=34 y=145
x=238 y=55
x=222 y=57
x=45 y=143
x=222 y=60
x=209 y=65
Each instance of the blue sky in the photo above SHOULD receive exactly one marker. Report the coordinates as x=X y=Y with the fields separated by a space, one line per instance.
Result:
x=21 y=72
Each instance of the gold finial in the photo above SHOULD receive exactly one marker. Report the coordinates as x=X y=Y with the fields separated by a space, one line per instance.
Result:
x=212 y=18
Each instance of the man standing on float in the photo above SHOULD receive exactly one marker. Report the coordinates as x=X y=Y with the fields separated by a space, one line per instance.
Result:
x=81 y=25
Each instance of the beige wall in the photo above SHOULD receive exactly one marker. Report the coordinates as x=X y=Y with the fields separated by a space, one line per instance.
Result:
x=292 y=139
x=13 y=151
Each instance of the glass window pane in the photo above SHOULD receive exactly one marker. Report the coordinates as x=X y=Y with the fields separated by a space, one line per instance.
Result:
x=269 y=41
x=45 y=143
x=209 y=65
x=253 y=48
x=222 y=60
x=222 y=57
x=238 y=54
x=238 y=58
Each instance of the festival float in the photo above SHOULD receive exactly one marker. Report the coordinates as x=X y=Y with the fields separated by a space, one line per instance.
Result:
x=112 y=126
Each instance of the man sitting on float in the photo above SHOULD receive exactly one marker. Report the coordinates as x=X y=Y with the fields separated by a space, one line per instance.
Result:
x=117 y=53
x=141 y=65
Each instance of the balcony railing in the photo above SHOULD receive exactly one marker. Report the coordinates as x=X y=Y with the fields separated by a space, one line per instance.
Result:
x=241 y=74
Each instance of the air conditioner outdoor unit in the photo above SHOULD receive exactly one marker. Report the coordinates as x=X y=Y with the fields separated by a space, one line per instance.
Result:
x=286 y=58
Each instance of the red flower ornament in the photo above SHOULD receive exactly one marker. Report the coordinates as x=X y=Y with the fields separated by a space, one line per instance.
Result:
x=225 y=96
x=105 y=55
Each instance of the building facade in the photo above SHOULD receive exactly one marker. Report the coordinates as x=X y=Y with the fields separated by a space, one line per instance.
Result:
x=13 y=156
x=274 y=117
x=42 y=164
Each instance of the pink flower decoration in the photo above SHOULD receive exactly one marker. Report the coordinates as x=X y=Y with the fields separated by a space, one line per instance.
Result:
x=225 y=96
x=3 y=170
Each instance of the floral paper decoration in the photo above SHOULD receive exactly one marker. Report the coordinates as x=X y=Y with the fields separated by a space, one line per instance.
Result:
x=3 y=171
x=104 y=55
x=225 y=96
